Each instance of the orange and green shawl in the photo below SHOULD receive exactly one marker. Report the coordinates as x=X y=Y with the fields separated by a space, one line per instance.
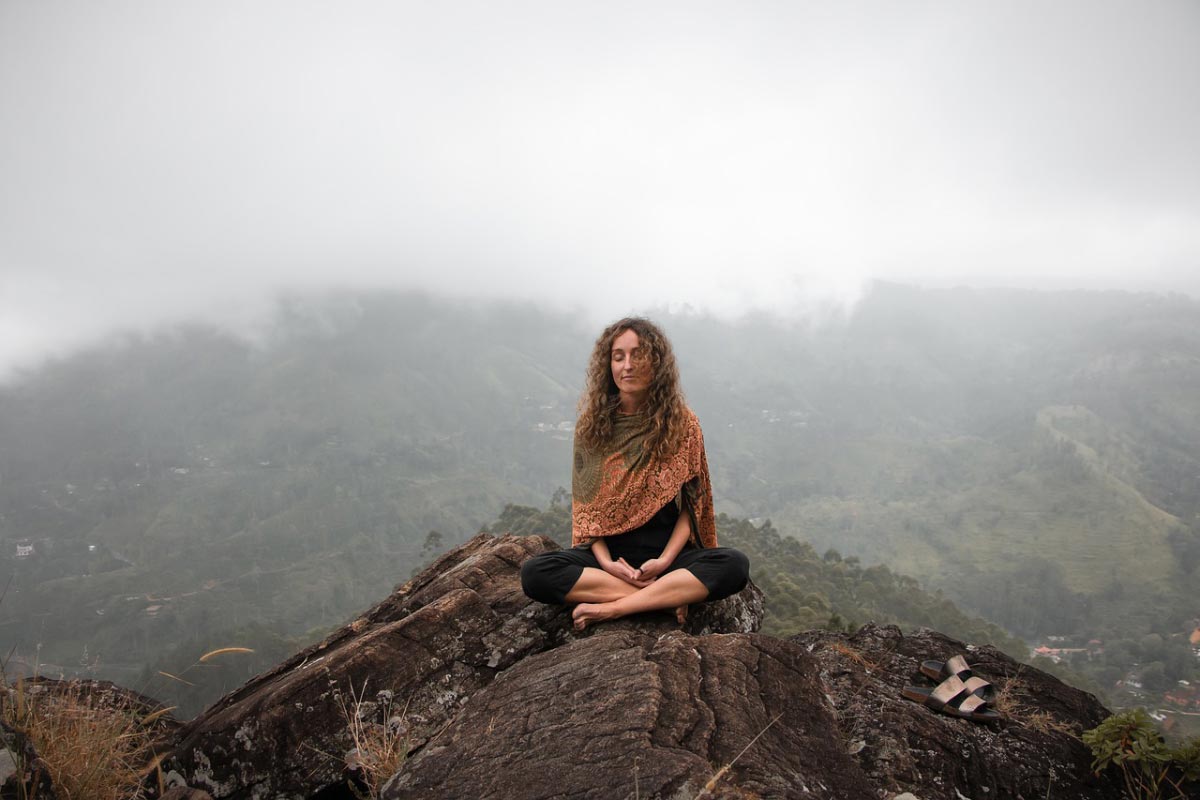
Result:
x=619 y=488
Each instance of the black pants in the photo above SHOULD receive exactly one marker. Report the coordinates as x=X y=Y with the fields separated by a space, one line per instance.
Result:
x=550 y=576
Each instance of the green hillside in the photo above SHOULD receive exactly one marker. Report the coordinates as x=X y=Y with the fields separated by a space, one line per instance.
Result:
x=1033 y=456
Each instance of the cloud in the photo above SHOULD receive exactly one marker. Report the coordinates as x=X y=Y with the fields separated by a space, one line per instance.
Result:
x=180 y=160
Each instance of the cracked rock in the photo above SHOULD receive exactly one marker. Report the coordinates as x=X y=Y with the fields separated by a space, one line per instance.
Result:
x=433 y=644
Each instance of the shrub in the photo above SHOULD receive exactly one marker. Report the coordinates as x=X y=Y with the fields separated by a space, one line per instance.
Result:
x=1130 y=742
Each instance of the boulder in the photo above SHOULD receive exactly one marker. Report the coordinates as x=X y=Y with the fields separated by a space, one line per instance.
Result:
x=418 y=656
x=489 y=694
x=629 y=714
x=902 y=746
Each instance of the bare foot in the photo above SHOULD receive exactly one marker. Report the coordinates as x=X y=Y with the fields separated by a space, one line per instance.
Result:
x=586 y=613
x=681 y=614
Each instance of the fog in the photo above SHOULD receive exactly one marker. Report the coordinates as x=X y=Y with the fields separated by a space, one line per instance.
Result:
x=170 y=161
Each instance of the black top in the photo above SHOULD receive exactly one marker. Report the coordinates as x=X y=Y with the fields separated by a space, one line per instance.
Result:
x=647 y=541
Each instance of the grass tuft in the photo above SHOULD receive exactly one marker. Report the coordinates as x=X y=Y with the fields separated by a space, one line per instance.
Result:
x=380 y=738
x=1008 y=702
x=92 y=749
x=95 y=743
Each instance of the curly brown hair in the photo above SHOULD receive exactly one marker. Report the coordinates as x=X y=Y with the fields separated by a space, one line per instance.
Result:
x=665 y=405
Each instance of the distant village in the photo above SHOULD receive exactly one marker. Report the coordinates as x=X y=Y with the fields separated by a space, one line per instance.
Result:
x=1180 y=700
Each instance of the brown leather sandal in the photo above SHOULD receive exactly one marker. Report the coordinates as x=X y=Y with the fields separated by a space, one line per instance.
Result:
x=958 y=667
x=952 y=697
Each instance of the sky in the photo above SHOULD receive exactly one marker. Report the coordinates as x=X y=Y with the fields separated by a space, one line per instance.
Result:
x=168 y=161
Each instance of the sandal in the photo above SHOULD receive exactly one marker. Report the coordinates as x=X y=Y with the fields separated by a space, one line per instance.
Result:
x=958 y=667
x=952 y=697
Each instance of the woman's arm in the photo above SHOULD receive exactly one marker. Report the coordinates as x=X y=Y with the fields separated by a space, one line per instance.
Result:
x=679 y=537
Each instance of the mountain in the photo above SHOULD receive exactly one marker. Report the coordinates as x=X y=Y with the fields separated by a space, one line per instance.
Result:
x=1032 y=456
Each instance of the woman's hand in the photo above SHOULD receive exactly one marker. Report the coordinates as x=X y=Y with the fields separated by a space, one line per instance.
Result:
x=621 y=569
x=652 y=569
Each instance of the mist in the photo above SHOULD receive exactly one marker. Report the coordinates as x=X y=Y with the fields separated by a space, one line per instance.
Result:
x=192 y=161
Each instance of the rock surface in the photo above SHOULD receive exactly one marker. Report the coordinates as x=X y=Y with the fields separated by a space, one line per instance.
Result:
x=625 y=714
x=494 y=695
x=902 y=746
x=183 y=793
x=421 y=653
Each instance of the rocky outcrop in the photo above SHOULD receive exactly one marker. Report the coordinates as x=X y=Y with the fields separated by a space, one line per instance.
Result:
x=492 y=695
x=625 y=714
x=901 y=746
x=419 y=655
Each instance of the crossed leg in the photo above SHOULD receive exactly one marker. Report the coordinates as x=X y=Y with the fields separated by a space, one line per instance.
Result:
x=597 y=586
x=600 y=600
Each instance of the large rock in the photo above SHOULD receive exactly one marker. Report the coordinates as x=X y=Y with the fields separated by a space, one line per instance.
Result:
x=902 y=746
x=493 y=695
x=627 y=714
x=649 y=715
x=421 y=653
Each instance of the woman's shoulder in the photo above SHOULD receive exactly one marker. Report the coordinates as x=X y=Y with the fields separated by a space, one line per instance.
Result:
x=690 y=420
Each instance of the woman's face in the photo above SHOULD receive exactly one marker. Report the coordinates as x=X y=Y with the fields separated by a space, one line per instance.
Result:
x=630 y=364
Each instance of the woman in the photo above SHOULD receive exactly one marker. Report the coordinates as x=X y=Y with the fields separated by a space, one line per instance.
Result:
x=643 y=529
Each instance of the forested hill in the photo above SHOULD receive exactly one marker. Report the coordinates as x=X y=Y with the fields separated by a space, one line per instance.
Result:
x=1032 y=455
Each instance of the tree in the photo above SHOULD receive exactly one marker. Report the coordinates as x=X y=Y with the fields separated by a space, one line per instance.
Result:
x=1154 y=677
x=433 y=545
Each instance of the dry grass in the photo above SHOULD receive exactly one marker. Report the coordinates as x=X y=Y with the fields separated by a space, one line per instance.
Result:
x=1044 y=722
x=380 y=738
x=716 y=778
x=1006 y=695
x=845 y=650
x=203 y=661
x=92 y=750
x=1008 y=702
x=94 y=744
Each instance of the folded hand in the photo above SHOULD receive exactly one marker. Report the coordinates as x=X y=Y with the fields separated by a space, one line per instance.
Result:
x=627 y=573
x=651 y=569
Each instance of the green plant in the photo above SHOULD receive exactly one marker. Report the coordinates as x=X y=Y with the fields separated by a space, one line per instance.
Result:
x=1187 y=758
x=1130 y=742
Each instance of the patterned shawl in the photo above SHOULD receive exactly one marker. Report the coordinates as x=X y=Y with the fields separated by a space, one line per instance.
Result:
x=620 y=488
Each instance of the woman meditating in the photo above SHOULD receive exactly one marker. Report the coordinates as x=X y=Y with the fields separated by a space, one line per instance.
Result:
x=643 y=529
